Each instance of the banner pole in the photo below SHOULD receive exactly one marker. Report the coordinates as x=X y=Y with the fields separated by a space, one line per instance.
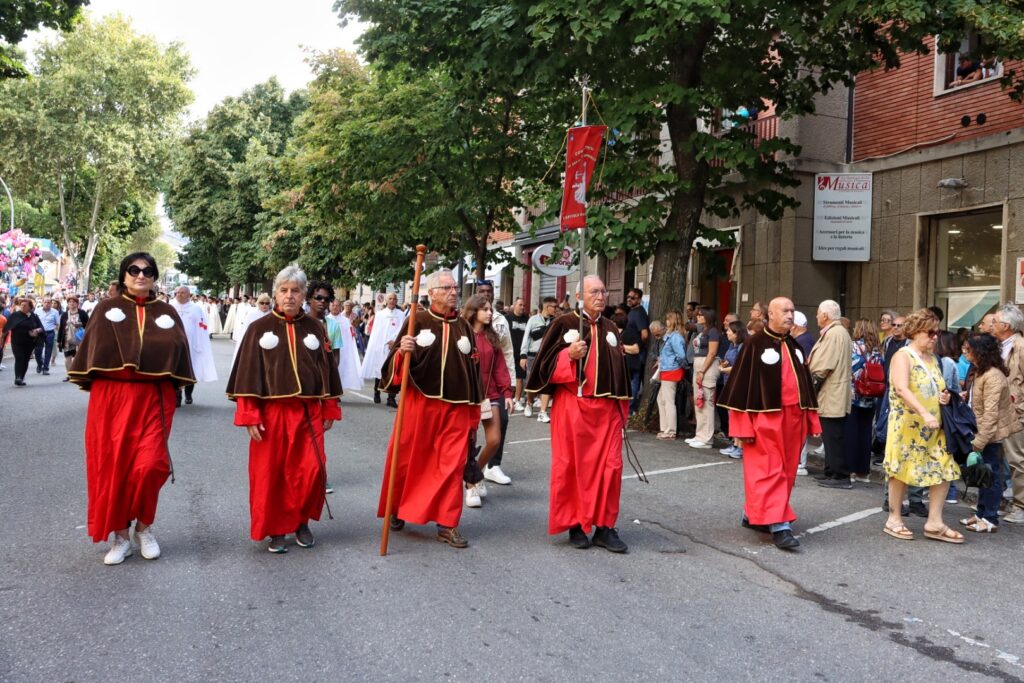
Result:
x=580 y=374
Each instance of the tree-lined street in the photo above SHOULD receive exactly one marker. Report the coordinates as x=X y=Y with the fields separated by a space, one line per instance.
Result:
x=697 y=597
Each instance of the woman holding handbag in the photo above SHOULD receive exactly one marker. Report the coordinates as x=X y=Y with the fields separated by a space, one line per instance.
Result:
x=497 y=387
x=670 y=373
x=71 y=330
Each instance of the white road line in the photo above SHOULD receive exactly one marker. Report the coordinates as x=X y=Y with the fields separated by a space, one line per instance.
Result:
x=679 y=469
x=356 y=393
x=856 y=516
x=513 y=443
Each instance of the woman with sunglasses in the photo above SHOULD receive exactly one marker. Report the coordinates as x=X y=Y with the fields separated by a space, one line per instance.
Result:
x=132 y=358
x=915 y=450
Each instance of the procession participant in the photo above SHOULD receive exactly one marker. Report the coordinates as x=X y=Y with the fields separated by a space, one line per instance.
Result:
x=132 y=358
x=441 y=408
x=193 y=319
x=212 y=309
x=500 y=326
x=286 y=387
x=349 y=366
x=387 y=323
x=586 y=431
x=772 y=410
x=319 y=295
x=264 y=304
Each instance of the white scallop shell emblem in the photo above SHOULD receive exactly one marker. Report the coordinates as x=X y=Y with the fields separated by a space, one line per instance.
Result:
x=269 y=340
x=770 y=357
x=464 y=345
x=425 y=338
x=800 y=355
x=114 y=315
x=164 y=322
x=571 y=336
x=613 y=341
x=311 y=342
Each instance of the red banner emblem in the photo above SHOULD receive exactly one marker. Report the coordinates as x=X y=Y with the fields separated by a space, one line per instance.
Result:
x=582 y=149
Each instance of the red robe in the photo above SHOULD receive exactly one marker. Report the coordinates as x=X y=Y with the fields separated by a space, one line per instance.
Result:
x=586 y=451
x=287 y=472
x=771 y=460
x=126 y=457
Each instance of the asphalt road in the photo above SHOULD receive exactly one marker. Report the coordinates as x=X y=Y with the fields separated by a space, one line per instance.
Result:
x=697 y=598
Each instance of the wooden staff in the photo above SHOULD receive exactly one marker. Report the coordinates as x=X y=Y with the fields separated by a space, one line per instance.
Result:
x=392 y=461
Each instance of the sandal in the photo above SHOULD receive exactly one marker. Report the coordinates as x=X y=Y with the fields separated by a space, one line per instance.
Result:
x=945 y=534
x=899 y=531
x=973 y=519
x=982 y=526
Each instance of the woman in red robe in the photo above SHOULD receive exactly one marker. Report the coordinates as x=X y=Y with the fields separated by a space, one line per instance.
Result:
x=286 y=385
x=132 y=358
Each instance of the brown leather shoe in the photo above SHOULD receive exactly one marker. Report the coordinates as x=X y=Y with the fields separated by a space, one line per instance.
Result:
x=451 y=536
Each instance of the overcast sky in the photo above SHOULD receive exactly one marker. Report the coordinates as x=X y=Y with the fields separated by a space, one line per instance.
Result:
x=235 y=44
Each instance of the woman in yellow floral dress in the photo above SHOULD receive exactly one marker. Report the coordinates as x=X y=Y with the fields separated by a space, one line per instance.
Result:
x=915 y=449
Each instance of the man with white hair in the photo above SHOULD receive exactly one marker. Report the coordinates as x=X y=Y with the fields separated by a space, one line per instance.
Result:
x=831 y=367
x=804 y=339
x=193 y=319
x=1008 y=329
x=387 y=325
x=441 y=408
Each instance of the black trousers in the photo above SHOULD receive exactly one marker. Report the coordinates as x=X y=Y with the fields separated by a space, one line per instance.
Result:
x=188 y=392
x=503 y=414
x=858 y=439
x=22 y=356
x=832 y=436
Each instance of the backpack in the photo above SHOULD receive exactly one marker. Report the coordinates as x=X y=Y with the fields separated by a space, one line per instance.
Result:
x=870 y=383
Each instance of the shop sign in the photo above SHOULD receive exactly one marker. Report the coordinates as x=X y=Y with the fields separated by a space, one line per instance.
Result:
x=555 y=265
x=842 y=217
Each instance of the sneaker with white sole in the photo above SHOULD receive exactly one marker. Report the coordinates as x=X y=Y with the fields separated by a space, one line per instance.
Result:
x=542 y=416
x=801 y=471
x=736 y=453
x=527 y=409
x=481 y=488
x=119 y=549
x=699 y=444
x=496 y=475
x=1015 y=517
x=517 y=407
x=148 y=547
x=727 y=450
x=473 y=498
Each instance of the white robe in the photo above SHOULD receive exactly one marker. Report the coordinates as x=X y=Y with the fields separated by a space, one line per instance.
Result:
x=213 y=316
x=229 y=321
x=193 y=318
x=349 y=367
x=387 y=326
x=248 y=316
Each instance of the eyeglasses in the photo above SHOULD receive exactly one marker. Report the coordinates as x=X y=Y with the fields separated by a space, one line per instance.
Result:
x=264 y=303
x=897 y=324
x=321 y=297
x=933 y=334
x=148 y=271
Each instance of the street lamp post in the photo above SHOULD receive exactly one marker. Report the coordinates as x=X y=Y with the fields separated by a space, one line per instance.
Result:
x=10 y=199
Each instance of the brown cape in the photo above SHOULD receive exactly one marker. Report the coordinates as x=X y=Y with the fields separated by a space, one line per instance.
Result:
x=755 y=383
x=271 y=363
x=114 y=340
x=612 y=376
x=443 y=366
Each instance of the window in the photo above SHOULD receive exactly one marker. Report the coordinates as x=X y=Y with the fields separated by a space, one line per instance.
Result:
x=970 y=63
x=968 y=265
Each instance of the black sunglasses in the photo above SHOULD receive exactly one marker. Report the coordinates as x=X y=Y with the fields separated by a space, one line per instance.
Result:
x=148 y=271
x=321 y=297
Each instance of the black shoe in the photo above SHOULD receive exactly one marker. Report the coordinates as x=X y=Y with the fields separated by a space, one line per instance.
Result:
x=785 y=539
x=39 y=369
x=188 y=400
x=66 y=379
x=756 y=527
x=608 y=538
x=376 y=397
x=918 y=509
x=46 y=372
x=396 y=524
x=578 y=539
x=835 y=483
x=392 y=403
x=19 y=383
x=878 y=460
x=177 y=403
x=304 y=537
x=277 y=545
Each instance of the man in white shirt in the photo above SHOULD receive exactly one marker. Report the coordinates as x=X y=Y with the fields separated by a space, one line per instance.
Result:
x=193 y=318
x=387 y=324
x=50 y=319
x=89 y=303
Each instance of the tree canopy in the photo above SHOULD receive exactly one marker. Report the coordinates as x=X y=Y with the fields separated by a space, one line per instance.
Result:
x=18 y=17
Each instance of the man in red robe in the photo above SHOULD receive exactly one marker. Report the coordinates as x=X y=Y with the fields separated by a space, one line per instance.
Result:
x=442 y=408
x=286 y=385
x=587 y=420
x=772 y=409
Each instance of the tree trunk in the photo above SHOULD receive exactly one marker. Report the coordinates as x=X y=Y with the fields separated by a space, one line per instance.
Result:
x=94 y=236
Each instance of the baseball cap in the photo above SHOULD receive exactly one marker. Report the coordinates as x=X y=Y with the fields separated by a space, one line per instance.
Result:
x=799 y=319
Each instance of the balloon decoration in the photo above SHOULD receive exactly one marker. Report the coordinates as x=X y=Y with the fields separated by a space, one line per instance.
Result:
x=19 y=259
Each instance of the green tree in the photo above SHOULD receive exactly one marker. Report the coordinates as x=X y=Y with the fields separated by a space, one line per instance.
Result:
x=18 y=17
x=93 y=129
x=663 y=71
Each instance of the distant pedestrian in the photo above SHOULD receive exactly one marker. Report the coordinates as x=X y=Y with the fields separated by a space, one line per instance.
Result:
x=830 y=366
x=636 y=332
x=1008 y=329
x=670 y=374
x=705 y=377
x=25 y=331
x=386 y=327
x=71 y=330
x=193 y=319
x=50 y=318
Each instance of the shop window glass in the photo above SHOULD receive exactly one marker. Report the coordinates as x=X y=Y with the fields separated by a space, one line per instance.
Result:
x=968 y=266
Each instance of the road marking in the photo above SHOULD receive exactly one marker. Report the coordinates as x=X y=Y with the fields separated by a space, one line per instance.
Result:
x=362 y=396
x=513 y=443
x=843 y=520
x=680 y=469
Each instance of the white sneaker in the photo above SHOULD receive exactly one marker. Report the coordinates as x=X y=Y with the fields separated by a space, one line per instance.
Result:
x=801 y=471
x=1015 y=517
x=536 y=403
x=119 y=549
x=542 y=416
x=699 y=444
x=727 y=450
x=481 y=489
x=473 y=498
x=496 y=475
x=528 y=409
x=148 y=547
x=518 y=407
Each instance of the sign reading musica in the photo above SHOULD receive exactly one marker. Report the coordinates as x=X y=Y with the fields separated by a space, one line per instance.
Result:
x=842 y=217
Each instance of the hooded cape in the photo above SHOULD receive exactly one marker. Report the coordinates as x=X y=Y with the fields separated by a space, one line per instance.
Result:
x=755 y=383
x=612 y=377
x=281 y=357
x=125 y=333
x=444 y=365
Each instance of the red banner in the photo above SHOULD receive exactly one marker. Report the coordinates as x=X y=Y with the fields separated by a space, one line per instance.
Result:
x=581 y=155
